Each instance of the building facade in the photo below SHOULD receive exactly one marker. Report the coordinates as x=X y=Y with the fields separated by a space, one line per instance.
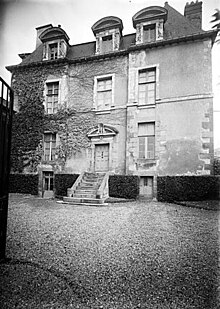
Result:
x=137 y=104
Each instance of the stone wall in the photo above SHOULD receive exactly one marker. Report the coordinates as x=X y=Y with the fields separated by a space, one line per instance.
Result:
x=182 y=113
x=76 y=114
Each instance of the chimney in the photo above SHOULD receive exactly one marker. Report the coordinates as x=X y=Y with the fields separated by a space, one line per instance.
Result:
x=39 y=31
x=193 y=12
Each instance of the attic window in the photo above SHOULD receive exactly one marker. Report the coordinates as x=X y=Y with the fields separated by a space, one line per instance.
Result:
x=53 y=51
x=149 y=33
x=107 y=43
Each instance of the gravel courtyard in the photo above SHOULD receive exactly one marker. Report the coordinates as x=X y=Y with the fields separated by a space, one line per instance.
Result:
x=126 y=255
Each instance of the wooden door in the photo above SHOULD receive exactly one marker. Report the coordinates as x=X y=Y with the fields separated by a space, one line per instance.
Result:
x=48 y=179
x=146 y=187
x=102 y=157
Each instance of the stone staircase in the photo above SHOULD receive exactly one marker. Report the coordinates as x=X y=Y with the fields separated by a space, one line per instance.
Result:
x=89 y=189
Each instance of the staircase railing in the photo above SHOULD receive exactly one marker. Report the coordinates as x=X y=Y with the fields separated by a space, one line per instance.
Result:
x=102 y=191
x=71 y=190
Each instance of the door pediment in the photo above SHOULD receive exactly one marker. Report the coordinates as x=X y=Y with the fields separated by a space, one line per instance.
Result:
x=102 y=130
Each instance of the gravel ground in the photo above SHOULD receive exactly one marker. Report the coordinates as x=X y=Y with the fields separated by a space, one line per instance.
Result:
x=126 y=255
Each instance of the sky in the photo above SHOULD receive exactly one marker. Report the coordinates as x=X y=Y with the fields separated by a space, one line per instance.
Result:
x=19 y=18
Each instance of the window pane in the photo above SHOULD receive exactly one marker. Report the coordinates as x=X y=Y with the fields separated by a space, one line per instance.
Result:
x=146 y=128
x=52 y=97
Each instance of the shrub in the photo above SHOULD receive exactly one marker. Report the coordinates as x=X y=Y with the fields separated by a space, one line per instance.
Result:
x=63 y=182
x=187 y=188
x=23 y=183
x=124 y=186
x=216 y=166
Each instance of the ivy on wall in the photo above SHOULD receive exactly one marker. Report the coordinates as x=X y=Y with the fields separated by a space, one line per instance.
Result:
x=27 y=129
x=31 y=122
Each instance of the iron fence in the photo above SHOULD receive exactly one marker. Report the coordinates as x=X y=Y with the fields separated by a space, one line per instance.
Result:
x=6 y=113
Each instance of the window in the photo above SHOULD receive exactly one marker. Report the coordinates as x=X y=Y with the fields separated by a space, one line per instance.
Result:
x=146 y=137
x=107 y=44
x=53 y=51
x=52 y=97
x=104 y=93
x=149 y=33
x=147 y=86
x=49 y=146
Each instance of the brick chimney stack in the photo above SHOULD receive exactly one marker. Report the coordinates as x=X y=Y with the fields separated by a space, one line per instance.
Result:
x=193 y=12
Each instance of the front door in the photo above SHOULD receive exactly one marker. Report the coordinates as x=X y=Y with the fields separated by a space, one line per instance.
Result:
x=48 y=179
x=101 y=157
x=146 y=187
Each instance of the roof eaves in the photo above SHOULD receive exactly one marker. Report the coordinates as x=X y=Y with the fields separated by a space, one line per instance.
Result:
x=192 y=37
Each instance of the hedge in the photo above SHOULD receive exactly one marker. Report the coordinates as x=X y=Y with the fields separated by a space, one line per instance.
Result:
x=124 y=186
x=63 y=182
x=23 y=183
x=187 y=188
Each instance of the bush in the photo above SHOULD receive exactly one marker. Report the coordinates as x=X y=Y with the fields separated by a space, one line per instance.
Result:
x=187 y=188
x=216 y=166
x=124 y=186
x=23 y=183
x=63 y=182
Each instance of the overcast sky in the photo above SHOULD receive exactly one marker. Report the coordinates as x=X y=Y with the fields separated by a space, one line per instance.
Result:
x=19 y=18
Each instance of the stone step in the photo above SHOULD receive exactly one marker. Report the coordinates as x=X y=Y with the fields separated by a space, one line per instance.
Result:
x=84 y=195
x=89 y=191
x=83 y=200
x=85 y=204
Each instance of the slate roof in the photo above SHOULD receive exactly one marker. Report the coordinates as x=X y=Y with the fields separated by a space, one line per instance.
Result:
x=177 y=26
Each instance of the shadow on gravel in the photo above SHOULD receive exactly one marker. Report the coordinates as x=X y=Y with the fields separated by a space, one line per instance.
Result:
x=35 y=286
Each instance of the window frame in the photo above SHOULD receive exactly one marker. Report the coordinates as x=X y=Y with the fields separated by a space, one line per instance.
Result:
x=52 y=149
x=144 y=140
x=97 y=79
x=46 y=95
x=55 y=53
x=148 y=29
x=146 y=84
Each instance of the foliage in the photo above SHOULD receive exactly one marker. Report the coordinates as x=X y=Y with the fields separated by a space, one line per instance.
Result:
x=63 y=182
x=23 y=183
x=27 y=129
x=124 y=186
x=216 y=166
x=216 y=20
x=187 y=188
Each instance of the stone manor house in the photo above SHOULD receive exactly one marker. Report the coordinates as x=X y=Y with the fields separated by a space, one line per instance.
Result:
x=137 y=104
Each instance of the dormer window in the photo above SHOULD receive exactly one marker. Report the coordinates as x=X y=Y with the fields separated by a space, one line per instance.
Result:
x=53 y=51
x=108 y=32
x=55 y=42
x=107 y=43
x=149 y=24
x=149 y=33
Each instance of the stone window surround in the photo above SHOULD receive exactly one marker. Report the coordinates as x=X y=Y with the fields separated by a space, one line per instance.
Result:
x=137 y=82
x=116 y=35
x=96 y=78
x=48 y=81
x=140 y=30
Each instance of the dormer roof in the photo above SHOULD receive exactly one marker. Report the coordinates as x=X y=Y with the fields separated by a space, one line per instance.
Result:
x=53 y=33
x=149 y=13
x=106 y=23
